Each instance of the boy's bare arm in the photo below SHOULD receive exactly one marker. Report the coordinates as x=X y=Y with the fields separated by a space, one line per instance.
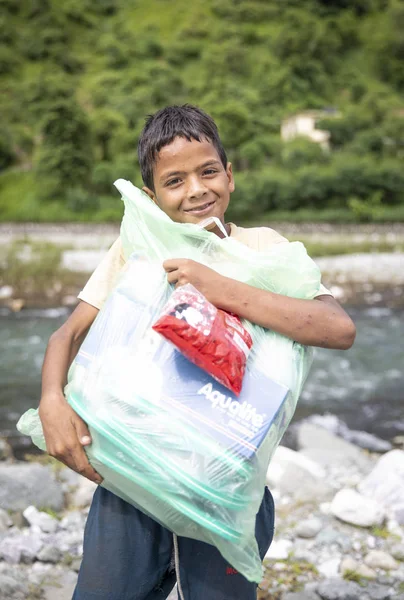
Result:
x=65 y=432
x=320 y=322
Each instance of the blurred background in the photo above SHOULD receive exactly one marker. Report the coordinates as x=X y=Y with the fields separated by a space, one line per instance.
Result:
x=308 y=97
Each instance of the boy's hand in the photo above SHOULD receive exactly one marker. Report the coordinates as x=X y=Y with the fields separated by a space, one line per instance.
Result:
x=66 y=434
x=181 y=271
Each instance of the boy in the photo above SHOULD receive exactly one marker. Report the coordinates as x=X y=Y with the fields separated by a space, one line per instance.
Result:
x=127 y=555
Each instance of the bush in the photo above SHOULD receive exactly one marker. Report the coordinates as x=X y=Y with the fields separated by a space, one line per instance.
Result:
x=301 y=152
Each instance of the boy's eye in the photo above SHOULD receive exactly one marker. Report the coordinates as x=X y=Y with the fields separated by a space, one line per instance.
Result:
x=173 y=181
x=209 y=171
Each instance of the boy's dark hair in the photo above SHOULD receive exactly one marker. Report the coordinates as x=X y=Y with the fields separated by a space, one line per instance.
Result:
x=185 y=121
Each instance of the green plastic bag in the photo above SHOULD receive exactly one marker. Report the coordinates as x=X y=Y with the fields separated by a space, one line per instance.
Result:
x=167 y=437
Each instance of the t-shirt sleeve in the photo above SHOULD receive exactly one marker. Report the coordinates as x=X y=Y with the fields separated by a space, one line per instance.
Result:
x=102 y=281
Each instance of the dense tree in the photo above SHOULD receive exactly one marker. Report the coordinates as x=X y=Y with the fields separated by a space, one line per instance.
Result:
x=80 y=76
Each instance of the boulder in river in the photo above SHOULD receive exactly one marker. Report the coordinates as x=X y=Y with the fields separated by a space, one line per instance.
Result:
x=386 y=484
x=26 y=484
x=351 y=507
x=331 y=451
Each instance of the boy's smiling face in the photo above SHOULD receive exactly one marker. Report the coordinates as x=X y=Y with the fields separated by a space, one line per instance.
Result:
x=190 y=181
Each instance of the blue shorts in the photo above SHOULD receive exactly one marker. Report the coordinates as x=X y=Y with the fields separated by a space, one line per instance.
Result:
x=128 y=556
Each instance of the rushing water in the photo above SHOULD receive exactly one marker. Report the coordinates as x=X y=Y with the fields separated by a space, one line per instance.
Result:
x=364 y=386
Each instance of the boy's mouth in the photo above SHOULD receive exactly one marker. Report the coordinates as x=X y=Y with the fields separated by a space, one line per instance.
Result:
x=202 y=209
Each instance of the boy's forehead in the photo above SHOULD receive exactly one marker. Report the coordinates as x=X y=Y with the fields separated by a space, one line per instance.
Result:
x=182 y=155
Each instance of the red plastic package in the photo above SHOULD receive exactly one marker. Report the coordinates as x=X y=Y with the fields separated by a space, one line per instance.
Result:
x=209 y=337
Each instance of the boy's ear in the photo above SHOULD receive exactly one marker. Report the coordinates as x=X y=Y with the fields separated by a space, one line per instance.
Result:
x=229 y=173
x=150 y=193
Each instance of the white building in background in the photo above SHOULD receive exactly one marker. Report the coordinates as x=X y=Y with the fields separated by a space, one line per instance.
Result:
x=304 y=125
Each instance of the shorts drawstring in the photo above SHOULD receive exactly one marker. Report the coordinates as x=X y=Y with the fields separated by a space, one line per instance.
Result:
x=177 y=567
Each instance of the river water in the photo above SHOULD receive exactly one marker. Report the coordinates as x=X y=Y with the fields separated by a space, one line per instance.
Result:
x=364 y=386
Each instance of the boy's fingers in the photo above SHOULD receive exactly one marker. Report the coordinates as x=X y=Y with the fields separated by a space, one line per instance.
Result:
x=81 y=465
x=82 y=431
x=172 y=277
x=172 y=264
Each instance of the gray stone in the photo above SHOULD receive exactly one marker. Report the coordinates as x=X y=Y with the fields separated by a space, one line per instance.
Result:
x=304 y=555
x=376 y=591
x=84 y=493
x=397 y=551
x=61 y=587
x=329 y=536
x=294 y=475
x=45 y=522
x=74 y=520
x=309 y=528
x=49 y=554
x=20 y=547
x=5 y=521
x=386 y=484
x=349 y=565
x=365 y=440
x=328 y=449
x=24 y=484
x=70 y=479
x=378 y=559
x=279 y=549
x=353 y=508
x=329 y=568
x=11 y=589
x=339 y=589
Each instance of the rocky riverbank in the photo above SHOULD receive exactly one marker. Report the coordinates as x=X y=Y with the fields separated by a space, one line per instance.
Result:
x=339 y=520
x=47 y=265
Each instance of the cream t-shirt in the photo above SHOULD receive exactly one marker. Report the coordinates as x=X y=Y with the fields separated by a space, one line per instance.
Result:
x=102 y=281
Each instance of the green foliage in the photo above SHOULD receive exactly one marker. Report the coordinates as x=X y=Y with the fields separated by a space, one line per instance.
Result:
x=65 y=155
x=80 y=77
x=7 y=154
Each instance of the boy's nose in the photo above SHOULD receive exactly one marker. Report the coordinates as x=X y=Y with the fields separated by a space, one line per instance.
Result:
x=196 y=189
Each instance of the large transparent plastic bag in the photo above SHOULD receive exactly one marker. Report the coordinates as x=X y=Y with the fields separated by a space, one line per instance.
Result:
x=167 y=437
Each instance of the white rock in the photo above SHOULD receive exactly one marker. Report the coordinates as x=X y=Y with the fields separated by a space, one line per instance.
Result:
x=397 y=551
x=327 y=449
x=49 y=554
x=351 y=507
x=325 y=508
x=378 y=559
x=386 y=484
x=74 y=520
x=394 y=528
x=279 y=550
x=84 y=493
x=20 y=547
x=283 y=457
x=309 y=528
x=366 y=572
x=297 y=476
x=45 y=522
x=329 y=568
x=349 y=565
x=25 y=484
